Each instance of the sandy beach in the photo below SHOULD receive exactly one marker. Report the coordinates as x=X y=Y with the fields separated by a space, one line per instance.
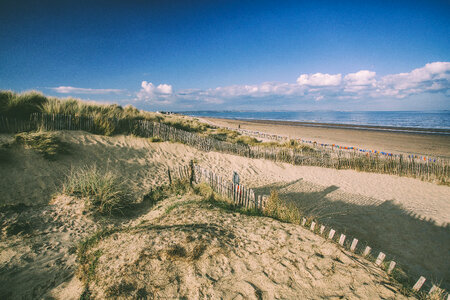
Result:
x=394 y=142
x=404 y=217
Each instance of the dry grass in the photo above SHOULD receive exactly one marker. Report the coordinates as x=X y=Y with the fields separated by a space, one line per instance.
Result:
x=104 y=192
x=278 y=209
x=21 y=106
x=45 y=143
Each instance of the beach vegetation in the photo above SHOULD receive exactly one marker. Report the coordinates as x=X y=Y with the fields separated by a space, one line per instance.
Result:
x=104 y=192
x=47 y=144
x=21 y=106
x=280 y=210
x=155 y=139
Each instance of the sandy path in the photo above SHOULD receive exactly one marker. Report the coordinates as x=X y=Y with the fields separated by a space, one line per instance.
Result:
x=422 y=144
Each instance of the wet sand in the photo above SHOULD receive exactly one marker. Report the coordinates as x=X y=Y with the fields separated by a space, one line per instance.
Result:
x=381 y=139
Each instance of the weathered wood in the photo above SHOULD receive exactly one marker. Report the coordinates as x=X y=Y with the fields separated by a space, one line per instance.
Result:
x=170 y=177
x=342 y=239
x=367 y=251
x=353 y=245
x=380 y=258
x=391 y=267
x=322 y=229
x=331 y=234
x=419 y=283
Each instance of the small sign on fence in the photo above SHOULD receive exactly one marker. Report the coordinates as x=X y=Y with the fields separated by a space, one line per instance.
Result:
x=235 y=177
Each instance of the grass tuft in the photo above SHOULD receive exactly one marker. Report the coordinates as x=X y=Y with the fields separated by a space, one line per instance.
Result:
x=21 y=106
x=45 y=143
x=104 y=192
x=278 y=209
x=155 y=139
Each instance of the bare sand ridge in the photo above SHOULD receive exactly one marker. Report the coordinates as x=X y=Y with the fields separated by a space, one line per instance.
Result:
x=386 y=211
x=395 y=142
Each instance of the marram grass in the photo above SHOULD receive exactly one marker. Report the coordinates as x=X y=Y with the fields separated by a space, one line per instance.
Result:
x=104 y=192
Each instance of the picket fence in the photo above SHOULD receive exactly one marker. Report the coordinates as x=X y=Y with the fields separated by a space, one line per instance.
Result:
x=439 y=169
x=238 y=193
x=241 y=196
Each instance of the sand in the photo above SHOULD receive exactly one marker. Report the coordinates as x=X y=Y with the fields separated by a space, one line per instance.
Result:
x=405 y=218
x=393 y=142
x=201 y=252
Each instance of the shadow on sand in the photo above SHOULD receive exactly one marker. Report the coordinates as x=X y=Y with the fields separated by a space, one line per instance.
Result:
x=419 y=246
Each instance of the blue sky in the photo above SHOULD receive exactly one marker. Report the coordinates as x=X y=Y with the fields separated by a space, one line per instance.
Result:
x=259 y=55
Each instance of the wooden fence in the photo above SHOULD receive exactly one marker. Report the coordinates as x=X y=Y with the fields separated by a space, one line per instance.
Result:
x=241 y=196
x=439 y=169
x=238 y=193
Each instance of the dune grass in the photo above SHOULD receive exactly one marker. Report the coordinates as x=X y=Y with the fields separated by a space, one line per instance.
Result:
x=45 y=143
x=21 y=106
x=104 y=192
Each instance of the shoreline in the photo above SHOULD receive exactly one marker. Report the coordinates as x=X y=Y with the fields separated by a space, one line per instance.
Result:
x=414 y=130
x=388 y=139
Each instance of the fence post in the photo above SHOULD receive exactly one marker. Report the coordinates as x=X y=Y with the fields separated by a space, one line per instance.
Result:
x=191 y=165
x=170 y=177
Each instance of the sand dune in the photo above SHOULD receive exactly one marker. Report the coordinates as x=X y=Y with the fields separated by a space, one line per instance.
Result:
x=199 y=252
x=385 y=211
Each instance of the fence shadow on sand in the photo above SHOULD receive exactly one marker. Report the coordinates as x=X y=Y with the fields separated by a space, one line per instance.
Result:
x=420 y=246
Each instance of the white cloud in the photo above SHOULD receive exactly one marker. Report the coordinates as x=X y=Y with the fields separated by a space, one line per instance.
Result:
x=363 y=77
x=429 y=77
x=319 y=79
x=75 y=90
x=160 y=93
x=361 y=85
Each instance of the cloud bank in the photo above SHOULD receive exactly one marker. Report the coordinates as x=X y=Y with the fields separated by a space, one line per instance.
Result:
x=75 y=90
x=429 y=82
x=364 y=85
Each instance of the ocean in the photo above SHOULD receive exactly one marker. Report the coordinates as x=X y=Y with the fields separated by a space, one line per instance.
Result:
x=399 y=119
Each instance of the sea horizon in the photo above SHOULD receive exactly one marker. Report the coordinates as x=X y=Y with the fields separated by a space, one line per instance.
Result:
x=431 y=119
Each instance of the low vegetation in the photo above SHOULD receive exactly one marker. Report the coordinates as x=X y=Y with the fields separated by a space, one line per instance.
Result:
x=47 y=144
x=279 y=210
x=103 y=192
x=21 y=106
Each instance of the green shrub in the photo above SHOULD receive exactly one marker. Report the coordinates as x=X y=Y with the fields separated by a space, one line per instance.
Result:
x=104 y=192
x=45 y=143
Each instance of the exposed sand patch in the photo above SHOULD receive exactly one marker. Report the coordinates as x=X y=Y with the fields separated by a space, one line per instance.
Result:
x=40 y=245
x=194 y=252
